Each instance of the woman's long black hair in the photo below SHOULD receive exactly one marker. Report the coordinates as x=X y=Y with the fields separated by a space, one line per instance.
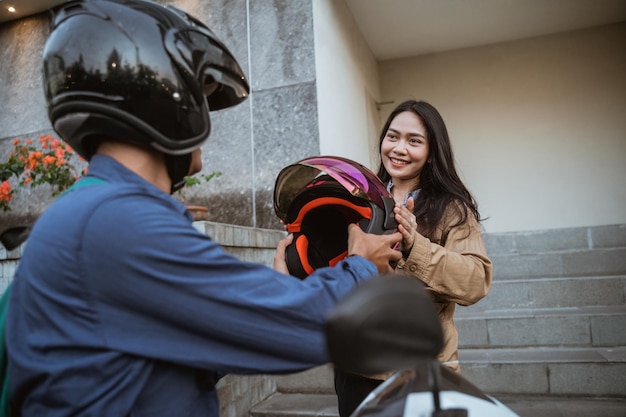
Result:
x=439 y=182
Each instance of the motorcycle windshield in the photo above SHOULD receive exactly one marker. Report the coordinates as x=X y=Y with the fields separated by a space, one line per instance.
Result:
x=357 y=179
x=409 y=393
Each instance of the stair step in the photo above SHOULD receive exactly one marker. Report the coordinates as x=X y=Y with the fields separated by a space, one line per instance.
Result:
x=544 y=355
x=592 y=372
x=567 y=239
x=557 y=406
x=553 y=293
x=296 y=405
x=571 y=263
x=318 y=405
x=463 y=313
x=318 y=380
x=570 y=326
x=599 y=372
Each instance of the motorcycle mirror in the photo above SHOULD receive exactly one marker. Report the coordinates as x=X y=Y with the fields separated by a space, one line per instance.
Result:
x=14 y=236
x=386 y=324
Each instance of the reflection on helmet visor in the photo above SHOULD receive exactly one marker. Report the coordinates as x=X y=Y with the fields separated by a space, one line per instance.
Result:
x=355 y=178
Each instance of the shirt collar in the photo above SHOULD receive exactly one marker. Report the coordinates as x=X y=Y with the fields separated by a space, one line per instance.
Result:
x=110 y=170
x=408 y=195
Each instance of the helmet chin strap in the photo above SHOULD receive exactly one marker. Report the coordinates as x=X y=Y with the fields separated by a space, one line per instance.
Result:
x=177 y=169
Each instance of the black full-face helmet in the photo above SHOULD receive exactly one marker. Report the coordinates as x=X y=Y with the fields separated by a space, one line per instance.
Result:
x=137 y=71
x=317 y=199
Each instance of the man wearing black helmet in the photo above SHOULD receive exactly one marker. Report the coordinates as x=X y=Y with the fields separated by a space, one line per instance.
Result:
x=119 y=305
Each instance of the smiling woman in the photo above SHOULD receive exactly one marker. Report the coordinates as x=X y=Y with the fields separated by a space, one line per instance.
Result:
x=439 y=220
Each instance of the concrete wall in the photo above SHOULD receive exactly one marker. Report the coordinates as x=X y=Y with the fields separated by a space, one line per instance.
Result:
x=537 y=125
x=249 y=144
x=347 y=85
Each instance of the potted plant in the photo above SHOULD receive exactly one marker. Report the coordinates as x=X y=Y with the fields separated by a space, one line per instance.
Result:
x=48 y=161
x=52 y=163
x=199 y=212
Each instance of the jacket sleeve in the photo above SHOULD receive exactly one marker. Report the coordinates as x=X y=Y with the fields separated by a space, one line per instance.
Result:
x=458 y=270
x=175 y=295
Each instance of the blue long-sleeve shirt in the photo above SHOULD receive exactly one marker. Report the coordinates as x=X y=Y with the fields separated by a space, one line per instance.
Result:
x=120 y=307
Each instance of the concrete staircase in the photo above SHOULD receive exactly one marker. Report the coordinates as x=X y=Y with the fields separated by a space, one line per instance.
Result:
x=554 y=322
x=553 y=325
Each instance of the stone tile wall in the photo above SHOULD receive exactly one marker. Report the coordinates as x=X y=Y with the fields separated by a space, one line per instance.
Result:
x=249 y=144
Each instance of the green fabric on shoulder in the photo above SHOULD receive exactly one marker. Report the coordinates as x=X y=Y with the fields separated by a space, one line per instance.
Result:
x=5 y=400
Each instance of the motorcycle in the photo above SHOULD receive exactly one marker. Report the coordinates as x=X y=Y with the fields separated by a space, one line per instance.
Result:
x=389 y=323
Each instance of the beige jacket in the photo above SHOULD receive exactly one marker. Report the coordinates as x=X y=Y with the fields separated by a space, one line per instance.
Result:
x=455 y=267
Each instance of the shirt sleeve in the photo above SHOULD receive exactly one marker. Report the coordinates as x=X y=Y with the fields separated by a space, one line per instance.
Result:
x=458 y=271
x=161 y=289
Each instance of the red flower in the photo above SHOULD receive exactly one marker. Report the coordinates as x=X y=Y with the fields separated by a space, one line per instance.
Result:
x=50 y=162
x=5 y=191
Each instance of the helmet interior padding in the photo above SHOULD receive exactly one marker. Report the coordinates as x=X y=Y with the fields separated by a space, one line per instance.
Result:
x=321 y=238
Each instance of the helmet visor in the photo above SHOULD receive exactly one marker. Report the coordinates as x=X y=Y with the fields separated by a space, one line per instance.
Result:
x=358 y=180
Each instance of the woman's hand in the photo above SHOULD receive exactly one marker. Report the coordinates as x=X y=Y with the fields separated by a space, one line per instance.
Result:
x=407 y=224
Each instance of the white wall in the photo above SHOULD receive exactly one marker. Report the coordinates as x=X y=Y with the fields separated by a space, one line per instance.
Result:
x=538 y=126
x=347 y=85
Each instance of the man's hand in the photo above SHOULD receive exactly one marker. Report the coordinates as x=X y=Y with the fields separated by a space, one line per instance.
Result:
x=376 y=248
x=280 y=264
